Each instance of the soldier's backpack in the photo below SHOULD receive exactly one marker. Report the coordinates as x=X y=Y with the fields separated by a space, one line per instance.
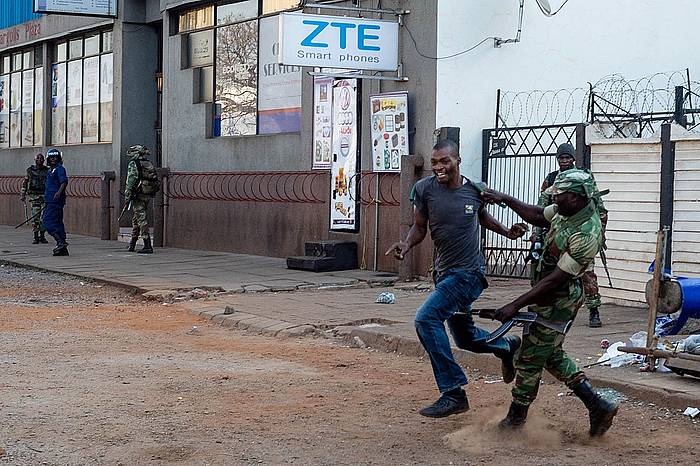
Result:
x=149 y=184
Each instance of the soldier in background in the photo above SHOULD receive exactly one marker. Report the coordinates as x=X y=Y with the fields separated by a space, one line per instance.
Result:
x=33 y=188
x=141 y=185
x=566 y=154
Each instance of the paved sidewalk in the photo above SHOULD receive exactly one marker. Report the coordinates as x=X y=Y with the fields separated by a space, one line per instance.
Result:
x=264 y=296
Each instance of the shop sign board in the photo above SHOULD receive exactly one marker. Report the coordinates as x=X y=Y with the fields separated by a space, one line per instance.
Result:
x=389 y=129
x=323 y=123
x=344 y=161
x=77 y=7
x=338 y=42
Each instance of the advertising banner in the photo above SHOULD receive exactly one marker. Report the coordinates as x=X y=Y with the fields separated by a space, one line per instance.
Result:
x=344 y=164
x=389 y=128
x=77 y=7
x=279 y=86
x=323 y=123
x=338 y=42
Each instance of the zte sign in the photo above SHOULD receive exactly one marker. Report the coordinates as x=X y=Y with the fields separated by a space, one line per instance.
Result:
x=338 y=42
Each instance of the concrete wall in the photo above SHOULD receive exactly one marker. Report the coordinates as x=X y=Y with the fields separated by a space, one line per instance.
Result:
x=585 y=41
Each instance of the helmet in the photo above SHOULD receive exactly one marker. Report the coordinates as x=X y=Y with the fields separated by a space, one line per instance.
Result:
x=53 y=153
x=137 y=149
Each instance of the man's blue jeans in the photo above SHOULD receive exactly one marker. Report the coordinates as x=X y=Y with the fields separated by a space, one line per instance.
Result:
x=455 y=291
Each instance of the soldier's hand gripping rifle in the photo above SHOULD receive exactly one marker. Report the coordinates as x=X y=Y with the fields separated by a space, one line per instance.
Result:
x=521 y=319
x=31 y=218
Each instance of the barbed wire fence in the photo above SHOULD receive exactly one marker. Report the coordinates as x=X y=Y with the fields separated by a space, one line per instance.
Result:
x=618 y=106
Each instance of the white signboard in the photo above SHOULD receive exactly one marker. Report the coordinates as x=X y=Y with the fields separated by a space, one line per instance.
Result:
x=201 y=48
x=344 y=164
x=77 y=7
x=323 y=123
x=338 y=42
x=389 y=128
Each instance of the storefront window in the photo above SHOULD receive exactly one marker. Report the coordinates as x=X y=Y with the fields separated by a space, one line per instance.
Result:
x=81 y=91
x=237 y=78
x=272 y=6
x=20 y=90
x=253 y=94
x=197 y=19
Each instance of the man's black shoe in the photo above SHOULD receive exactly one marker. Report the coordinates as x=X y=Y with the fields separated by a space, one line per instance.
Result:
x=42 y=238
x=36 y=238
x=61 y=251
x=594 y=318
x=507 y=360
x=447 y=405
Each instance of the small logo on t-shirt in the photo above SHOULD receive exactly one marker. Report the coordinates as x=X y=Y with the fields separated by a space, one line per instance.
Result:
x=468 y=209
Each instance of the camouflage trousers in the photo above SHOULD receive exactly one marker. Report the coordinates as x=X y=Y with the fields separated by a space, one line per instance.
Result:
x=139 y=219
x=590 y=287
x=542 y=349
x=36 y=201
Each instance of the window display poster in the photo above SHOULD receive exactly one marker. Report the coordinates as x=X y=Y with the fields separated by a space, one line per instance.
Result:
x=15 y=109
x=38 y=105
x=27 y=107
x=74 y=100
x=322 y=131
x=91 y=85
x=58 y=103
x=106 y=93
x=389 y=129
x=279 y=86
x=4 y=111
x=344 y=163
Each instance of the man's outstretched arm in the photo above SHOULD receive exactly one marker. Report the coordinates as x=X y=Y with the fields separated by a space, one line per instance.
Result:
x=415 y=235
x=530 y=213
x=489 y=222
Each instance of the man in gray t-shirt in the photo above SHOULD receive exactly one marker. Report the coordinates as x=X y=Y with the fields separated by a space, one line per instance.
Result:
x=454 y=212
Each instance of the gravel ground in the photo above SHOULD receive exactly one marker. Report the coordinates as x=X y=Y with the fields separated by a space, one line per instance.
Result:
x=93 y=375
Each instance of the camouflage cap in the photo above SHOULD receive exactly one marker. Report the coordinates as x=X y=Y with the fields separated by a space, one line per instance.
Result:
x=574 y=181
x=136 y=150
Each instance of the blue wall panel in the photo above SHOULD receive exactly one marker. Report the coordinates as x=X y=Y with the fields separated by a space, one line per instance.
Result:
x=13 y=12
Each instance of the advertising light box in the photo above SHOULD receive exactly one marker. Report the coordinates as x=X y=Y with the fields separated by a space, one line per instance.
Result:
x=77 y=7
x=338 y=42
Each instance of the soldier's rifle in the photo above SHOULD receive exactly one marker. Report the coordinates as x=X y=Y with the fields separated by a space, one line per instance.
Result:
x=521 y=319
x=30 y=218
x=127 y=206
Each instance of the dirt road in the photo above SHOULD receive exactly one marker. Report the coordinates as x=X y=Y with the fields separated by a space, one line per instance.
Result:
x=92 y=375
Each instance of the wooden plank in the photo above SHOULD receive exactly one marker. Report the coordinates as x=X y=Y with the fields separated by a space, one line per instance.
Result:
x=686 y=215
x=692 y=226
x=606 y=177
x=617 y=206
x=629 y=236
x=614 y=224
x=633 y=196
x=634 y=256
x=633 y=215
x=624 y=295
x=687 y=236
x=602 y=150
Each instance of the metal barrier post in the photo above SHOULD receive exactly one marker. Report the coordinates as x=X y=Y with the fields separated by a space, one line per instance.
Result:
x=159 y=208
x=106 y=204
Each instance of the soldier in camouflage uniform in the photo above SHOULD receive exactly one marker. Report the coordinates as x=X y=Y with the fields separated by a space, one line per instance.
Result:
x=33 y=187
x=565 y=159
x=572 y=242
x=139 y=199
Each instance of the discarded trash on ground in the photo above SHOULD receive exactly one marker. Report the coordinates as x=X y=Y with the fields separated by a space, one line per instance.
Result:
x=386 y=298
x=692 y=412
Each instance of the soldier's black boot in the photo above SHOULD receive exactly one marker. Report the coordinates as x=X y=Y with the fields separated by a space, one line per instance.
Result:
x=147 y=247
x=516 y=417
x=36 y=238
x=507 y=358
x=594 y=318
x=132 y=244
x=600 y=411
x=42 y=237
x=61 y=249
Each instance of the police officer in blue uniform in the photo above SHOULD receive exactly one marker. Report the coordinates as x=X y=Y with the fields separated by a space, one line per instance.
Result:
x=55 y=198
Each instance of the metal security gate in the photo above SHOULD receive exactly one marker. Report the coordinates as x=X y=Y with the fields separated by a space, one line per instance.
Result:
x=516 y=161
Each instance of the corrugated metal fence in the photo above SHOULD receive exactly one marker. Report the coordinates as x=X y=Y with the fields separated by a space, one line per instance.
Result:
x=14 y=12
